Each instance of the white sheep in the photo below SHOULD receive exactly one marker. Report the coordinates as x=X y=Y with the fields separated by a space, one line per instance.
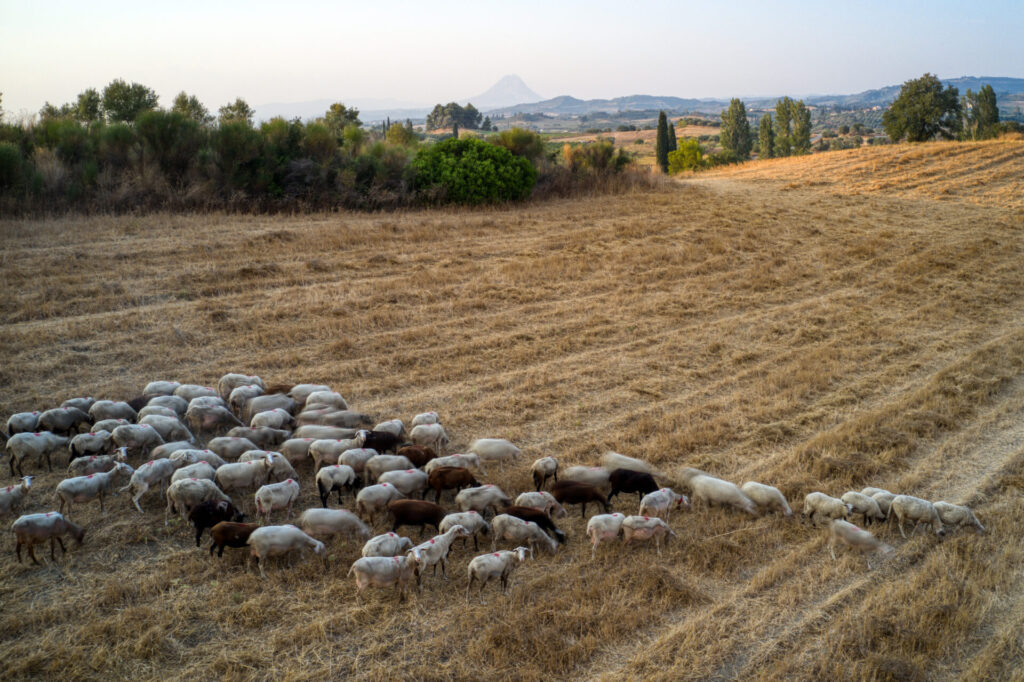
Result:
x=231 y=448
x=643 y=528
x=335 y=477
x=94 y=464
x=482 y=498
x=277 y=418
x=543 y=469
x=240 y=395
x=374 y=498
x=229 y=382
x=595 y=476
x=193 y=391
x=109 y=409
x=495 y=565
x=603 y=528
x=169 y=428
x=494 y=450
x=280 y=469
x=300 y=392
x=387 y=545
x=661 y=502
x=766 y=497
x=613 y=460
x=157 y=410
x=378 y=464
x=22 y=422
x=907 y=507
x=243 y=475
x=91 y=443
x=866 y=506
x=435 y=551
x=516 y=530
x=392 y=426
x=36 y=444
x=327 y=399
x=168 y=449
x=138 y=438
x=155 y=388
x=856 y=539
x=32 y=529
x=957 y=515
x=328 y=450
x=89 y=487
x=871 y=492
x=63 y=420
x=379 y=571
x=211 y=419
x=176 y=403
x=271 y=541
x=408 y=481
x=817 y=503
x=186 y=493
x=318 y=432
x=357 y=459
x=471 y=521
x=464 y=460
x=152 y=473
x=82 y=404
x=296 y=450
x=426 y=418
x=323 y=524
x=544 y=501
x=431 y=435
x=884 y=500
x=201 y=469
x=12 y=498
x=109 y=425
x=275 y=496
x=716 y=491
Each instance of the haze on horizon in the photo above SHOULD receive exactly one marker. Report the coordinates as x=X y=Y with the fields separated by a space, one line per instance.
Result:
x=416 y=54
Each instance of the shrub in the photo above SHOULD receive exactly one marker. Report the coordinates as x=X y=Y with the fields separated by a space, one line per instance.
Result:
x=689 y=156
x=172 y=139
x=12 y=167
x=521 y=142
x=472 y=172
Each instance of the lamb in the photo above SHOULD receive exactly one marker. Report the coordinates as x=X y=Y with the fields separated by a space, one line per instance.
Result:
x=82 y=404
x=435 y=551
x=240 y=395
x=419 y=455
x=595 y=476
x=376 y=466
x=325 y=451
x=884 y=500
x=229 y=382
x=415 y=513
x=517 y=531
x=766 y=497
x=538 y=517
x=157 y=410
x=466 y=461
x=275 y=496
x=825 y=505
x=495 y=450
x=629 y=481
x=856 y=539
x=276 y=419
x=176 y=403
x=230 y=534
x=108 y=409
x=326 y=398
x=866 y=506
x=231 y=447
x=426 y=418
x=378 y=571
x=544 y=501
x=956 y=515
x=280 y=468
x=63 y=420
x=716 y=491
x=482 y=498
x=393 y=426
x=271 y=541
x=13 y=496
x=543 y=469
x=186 y=493
x=94 y=464
x=661 y=502
x=471 y=521
x=495 y=565
x=917 y=510
x=335 y=477
x=408 y=481
x=244 y=475
x=643 y=528
x=375 y=498
x=193 y=391
x=157 y=471
x=613 y=460
x=89 y=487
x=326 y=523
x=317 y=432
x=449 y=478
x=140 y=438
x=265 y=438
x=300 y=392
x=33 y=529
x=37 y=444
x=388 y=544
x=573 y=492
x=431 y=435
x=200 y=469
x=381 y=441
x=22 y=422
x=603 y=528
x=91 y=443
x=169 y=428
x=208 y=514
x=155 y=388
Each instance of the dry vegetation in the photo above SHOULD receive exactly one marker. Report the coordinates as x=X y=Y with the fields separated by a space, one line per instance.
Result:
x=817 y=323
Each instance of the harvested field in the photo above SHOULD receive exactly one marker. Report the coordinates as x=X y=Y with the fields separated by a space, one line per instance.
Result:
x=807 y=323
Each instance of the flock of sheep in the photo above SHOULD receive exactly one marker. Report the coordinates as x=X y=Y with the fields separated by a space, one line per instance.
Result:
x=271 y=431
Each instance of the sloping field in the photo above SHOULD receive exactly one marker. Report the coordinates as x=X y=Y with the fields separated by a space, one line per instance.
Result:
x=803 y=336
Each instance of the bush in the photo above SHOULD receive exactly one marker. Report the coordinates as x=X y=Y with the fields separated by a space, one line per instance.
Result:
x=172 y=139
x=12 y=171
x=689 y=156
x=524 y=143
x=472 y=172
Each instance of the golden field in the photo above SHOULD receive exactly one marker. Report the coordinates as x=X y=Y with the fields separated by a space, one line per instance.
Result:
x=822 y=323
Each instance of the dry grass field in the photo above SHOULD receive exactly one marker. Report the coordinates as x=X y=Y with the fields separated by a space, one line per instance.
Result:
x=824 y=323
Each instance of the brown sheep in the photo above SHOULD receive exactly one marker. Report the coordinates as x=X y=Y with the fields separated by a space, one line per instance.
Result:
x=572 y=492
x=211 y=512
x=415 y=513
x=230 y=534
x=449 y=478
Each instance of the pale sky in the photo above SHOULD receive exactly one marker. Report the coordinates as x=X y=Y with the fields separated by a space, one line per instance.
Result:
x=426 y=52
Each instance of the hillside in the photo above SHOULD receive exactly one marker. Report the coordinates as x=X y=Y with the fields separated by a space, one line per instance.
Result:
x=822 y=323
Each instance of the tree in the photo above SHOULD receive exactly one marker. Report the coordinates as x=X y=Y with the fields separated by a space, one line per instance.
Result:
x=50 y=111
x=399 y=134
x=124 y=102
x=486 y=125
x=801 y=138
x=239 y=110
x=661 y=148
x=472 y=171
x=339 y=117
x=980 y=114
x=735 y=135
x=455 y=130
x=672 y=144
x=191 y=108
x=444 y=116
x=689 y=156
x=783 y=132
x=89 y=106
x=521 y=142
x=766 y=137
x=923 y=111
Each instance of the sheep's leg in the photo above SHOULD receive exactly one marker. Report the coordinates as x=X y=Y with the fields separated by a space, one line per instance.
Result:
x=583 y=510
x=831 y=545
x=17 y=550
x=32 y=554
x=101 y=501
x=49 y=465
x=483 y=583
x=657 y=544
x=137 y=497
x=471 y=577
x=900 y=518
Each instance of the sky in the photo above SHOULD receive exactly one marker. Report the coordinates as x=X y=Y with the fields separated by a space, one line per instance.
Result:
x=420 y=53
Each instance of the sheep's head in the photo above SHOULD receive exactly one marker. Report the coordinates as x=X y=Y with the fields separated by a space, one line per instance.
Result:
x=27 y=481
x=522 y=552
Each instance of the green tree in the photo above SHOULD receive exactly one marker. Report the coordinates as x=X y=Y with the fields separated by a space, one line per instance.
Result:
x=89 y=106
x=486 y=125
x=50 y=111
x=672 y=144
x=923 y=111
x=980 y=114
x=472 y=171
x=339 y=117
x=124 y=102
x=661 y=145
x=783 y=130
x=689 y=156
x=239 y=111
x=801 y=139
x=172 y=140
x=735 y=135
x=455 y=129
x=445 y=116
x=399 y=134
x=191 y=108
x=766 y=137
x=521 y=142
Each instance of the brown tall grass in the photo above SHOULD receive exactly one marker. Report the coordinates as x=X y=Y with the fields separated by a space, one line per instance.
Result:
x=813 y=336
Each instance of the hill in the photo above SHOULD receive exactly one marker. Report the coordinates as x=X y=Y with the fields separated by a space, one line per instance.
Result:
x=507 y=91
x=814 y=337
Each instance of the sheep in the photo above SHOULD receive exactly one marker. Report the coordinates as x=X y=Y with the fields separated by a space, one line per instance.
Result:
x=435 y=551
x=63 y=420
x=240 y=395
x=108 y=409
x=595 y=476
x=168 y=449
x=426 y=418
x=537 y=516
x=866 y=506
x=884 y=500
x=192 y=391
x=186 y=493
x=392 y=426
x=158 y=410
x=829 y=507
x=495 y=565
x=495 y=450
x=155 y=388
x=613 y=460
x=661 y=502
x=375 y=498
x=108 y=425
x=13 y=496
x=90 y=443
x=89 y=487
x=208 y=514
x=431 y=435
x=574 y=492
x=471 y=521
x=244 y=475
x=449 y=478
x=33 y=529
x=419 y=455
x=357 y=459
x=231 y=447
x=139 y=438
x=335 y=477
x=381 y=441
x=300 y=392
x=466 y=461
x=271 y=541
x=917 y=510
x=262 y=403
x=201 y=469
x=296 y=450
x=506 y=527
x=856 y=539
x=326 y=523
x=871 y=492
x=276 y=419
x=22 y=422
x=230 y=534
x=379 y=571
x=415 y=513
x=169 y=428
x=603 y=528
x=37 y=444
x=333 y=418
x=279 y=470
x=328 y=451
x=326 y=398
x=157 y=471
x=544 y=501
x=643 y=528
x=716 y=491
x=543 y=469
x=175 y=402
x=388 y=544
x=263 y=437
x=766 y=497
x=377 y=465
x=83 y=403
x=957 y=515
x=94 y=464
x=630 y=481
x=275 y=496
x=482 y=498
x=408 y=481
x=317 y=432
x=211 y=419
x=229 y=382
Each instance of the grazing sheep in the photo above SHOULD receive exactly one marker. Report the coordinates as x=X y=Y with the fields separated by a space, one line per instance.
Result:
x=13 y=496
x=89 y=487
x=300 y=392
x=603 y=528
x=82 y=404
x=230 y=534
x=574 y=492
x=231 y=448
x=379 y=571
x=661 y=502
x=495 y=450
x=907 y=507
x=271 y=541
x=716 y=491
x=280 y=468
x=211 y=419
x=375 y=498
x=377 y=465
x=830 y=507
x=328 y=451
x=426 y=418
x=357 y=459
x=449 y=478
x=275 y=496
x=613 y=460
x=37 y=444
x=94 y=464
x=388 y=544
x=169 y=428
x=335 y=477
x=33 y=529
x=108 y=425
x=766 y=497
x=241 y=395
x=109 y=409
x=157 y=410
x=431 y=435
x=435 y=551
x=194 y=456
x=63 y=420
x=22 y=422
x=176 y=403
x=517 y=531
x=866 y=506
x=138 y=438
x=155 y=388
x=327 y=399
x=856 y=539
x=332 y=417
x=150 y=474
x=193 y=391
x=318 y=431
x=482 y=498
x=544 y=501
x=543 y=469
x=229 y=382
x=208 y=514
x=538 y=517
x=883 y=499
x=495 y=565
x=415 y=513
x=264 y=438
x=408 y=481
x=244 y=475
x=296 y=450
x=630 y=481
x=168 y=449
x=91 y=443
x=471 y=521
x=871 y=492
x=277 y=418
x=643 y=528
x=466 y=461
x=595 y=476
x=186 y=493
x=201 y=469
x=392 y=426
x=324 y=524
x=419 y=455
x=955 y=515
x=381 y=441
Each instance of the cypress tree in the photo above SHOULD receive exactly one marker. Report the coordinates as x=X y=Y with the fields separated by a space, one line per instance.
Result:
x=455 y=129
x=783 y=141
x=735 y=136
x=672 y=145
x=766 y=137
x=661 y=150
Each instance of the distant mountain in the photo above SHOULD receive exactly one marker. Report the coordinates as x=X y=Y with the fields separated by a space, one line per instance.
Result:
x=506 y=92
x=883 y=96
